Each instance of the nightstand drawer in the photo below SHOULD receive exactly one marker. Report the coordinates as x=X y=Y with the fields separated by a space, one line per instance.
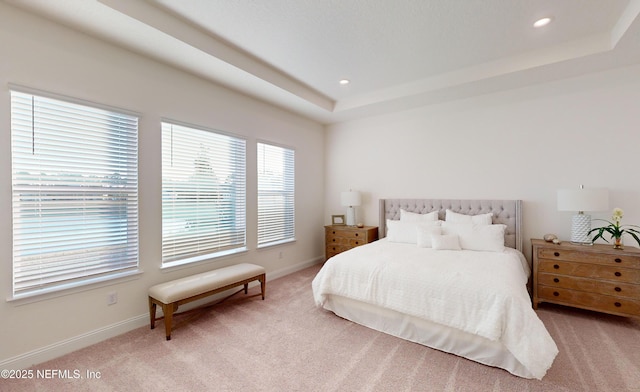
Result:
x=585 y=270
x=617 y=289
x=329 y=253
x=593 y=301
x=341 y=238
x=348 y=242
x=588 y=256
x=351 y=234
x=335 y=249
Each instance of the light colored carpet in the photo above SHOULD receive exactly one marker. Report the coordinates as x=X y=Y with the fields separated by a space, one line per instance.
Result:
x=285 y=343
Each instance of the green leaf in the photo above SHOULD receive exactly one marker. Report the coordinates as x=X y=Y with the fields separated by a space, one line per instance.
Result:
x=635 y=237
x=599 y=235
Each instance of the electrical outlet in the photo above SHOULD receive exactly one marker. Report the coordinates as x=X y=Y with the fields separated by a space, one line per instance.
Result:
x=112 y=298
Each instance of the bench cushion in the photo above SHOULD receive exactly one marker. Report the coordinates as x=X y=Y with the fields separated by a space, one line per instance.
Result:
x=189 y=286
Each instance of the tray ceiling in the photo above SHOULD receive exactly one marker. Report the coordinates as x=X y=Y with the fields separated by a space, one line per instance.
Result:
x=396 y=54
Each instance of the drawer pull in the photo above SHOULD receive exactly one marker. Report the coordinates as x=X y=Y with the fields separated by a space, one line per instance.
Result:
x=618 y=289
x=556 y=266
x=357 y=243
x=556 y=280
x=556 y=294
x=618 y=274
x=356 y=234
x=334 y=232
x=617 y=304
x=334 y=240
x=618 y=260
x=556 y=254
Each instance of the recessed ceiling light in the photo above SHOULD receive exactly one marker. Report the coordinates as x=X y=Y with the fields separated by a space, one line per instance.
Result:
x=345 y=81
x=542 y=22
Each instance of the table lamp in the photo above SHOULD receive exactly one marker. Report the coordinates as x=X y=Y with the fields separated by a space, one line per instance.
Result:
x=581 y=200
x=351 y=200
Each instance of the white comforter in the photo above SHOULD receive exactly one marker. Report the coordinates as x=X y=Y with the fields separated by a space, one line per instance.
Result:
x=482 y=293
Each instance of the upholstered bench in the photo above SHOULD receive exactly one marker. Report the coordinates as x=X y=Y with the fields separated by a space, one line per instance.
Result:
x=177 y=292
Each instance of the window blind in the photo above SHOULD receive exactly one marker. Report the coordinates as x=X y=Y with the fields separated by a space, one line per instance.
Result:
x=203 y=192
x=75 y=193
x=276 y=194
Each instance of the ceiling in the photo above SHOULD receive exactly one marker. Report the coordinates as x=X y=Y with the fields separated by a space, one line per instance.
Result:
x=397 y=54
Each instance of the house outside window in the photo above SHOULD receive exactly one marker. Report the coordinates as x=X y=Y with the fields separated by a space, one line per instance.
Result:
x=203 y=194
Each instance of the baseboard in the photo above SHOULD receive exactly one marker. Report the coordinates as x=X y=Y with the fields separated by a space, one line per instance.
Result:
x=58 y=349
x=293 y=268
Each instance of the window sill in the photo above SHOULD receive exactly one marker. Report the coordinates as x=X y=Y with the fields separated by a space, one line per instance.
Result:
x=74 y=288
x=276 y=243
x=199 y=260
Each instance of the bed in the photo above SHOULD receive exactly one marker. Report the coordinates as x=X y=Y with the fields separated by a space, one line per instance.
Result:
x=448 y=274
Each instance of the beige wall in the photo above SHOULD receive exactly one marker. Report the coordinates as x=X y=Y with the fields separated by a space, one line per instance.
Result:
x=41 y=55
x=520 y=144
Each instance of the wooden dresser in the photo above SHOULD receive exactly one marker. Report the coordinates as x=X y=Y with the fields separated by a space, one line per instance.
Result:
x=595 y=277
x=339 y=238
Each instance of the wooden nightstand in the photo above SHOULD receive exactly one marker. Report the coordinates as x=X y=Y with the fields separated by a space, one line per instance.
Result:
x=595 y=277
x=337 y=239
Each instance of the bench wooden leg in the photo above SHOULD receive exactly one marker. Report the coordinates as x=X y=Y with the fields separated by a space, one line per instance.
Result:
x=167 y=309
x=152 y=313
x=263 y=285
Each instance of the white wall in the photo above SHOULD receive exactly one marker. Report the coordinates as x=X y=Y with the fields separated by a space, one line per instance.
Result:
x=520 y=144
x=42 y=55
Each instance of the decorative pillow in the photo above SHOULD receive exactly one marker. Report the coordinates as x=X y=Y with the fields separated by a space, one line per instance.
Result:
x=407 y=216
x=425 y=232
x=477 y=236
x=445 y=242
x=406 y=232
x=481 y=219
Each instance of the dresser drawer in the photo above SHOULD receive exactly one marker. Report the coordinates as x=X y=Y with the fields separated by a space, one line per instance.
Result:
x=587 y=256
x=595 y=277
x=592 y=301
x=619 y=289
x=585 y=270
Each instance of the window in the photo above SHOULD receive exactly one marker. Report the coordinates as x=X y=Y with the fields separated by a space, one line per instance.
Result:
x=203 y=194
x=75 y=194
x=276 y=194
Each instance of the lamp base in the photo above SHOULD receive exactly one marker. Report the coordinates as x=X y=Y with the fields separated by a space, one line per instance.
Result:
x=351 y=216
x=580 y=226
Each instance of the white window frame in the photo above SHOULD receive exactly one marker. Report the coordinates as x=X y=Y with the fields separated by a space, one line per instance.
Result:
x=203 y=194
x=75 y=193
x=276 y=194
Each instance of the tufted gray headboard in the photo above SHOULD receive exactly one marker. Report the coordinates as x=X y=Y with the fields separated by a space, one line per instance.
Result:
x=508 y=212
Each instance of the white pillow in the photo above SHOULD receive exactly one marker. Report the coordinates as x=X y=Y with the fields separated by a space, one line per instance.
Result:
x=425 y=232
x=405 y=232
x=445 y=242
x=481 y=219
x=407 y=216
x=476 y=236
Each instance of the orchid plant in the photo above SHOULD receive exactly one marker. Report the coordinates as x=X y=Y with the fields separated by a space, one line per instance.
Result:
x=616 y=229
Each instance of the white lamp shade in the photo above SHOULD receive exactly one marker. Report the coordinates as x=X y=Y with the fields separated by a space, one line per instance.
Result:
x=351 y=198
x=583 y=199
